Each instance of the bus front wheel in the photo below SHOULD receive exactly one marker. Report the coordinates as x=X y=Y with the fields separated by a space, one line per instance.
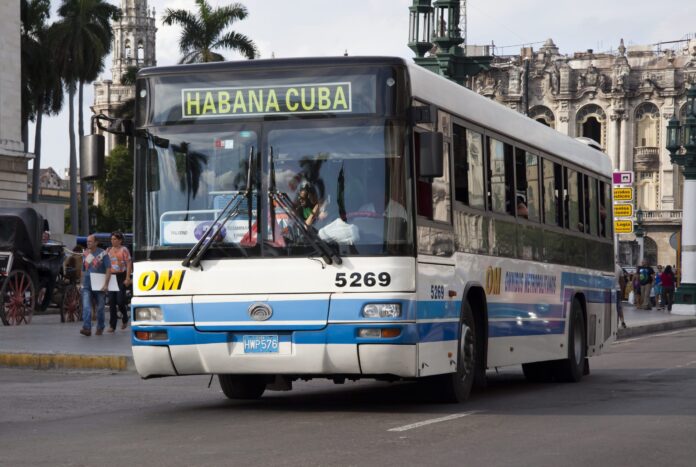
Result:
x=242 y=386
x=456 y=387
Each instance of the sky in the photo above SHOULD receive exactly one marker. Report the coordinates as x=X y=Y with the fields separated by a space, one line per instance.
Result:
x=296 y=28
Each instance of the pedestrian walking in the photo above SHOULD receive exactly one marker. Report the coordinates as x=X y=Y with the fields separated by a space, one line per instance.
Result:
x=94 y=260
x=658 y=288
x=668 y=282
x=646 y=275
x=121 y=268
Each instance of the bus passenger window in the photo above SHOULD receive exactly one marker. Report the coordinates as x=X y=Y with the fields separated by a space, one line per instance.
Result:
x=500 y=177
x=591 y=206
x=527 y=185
x=553 y=193
x=575 y=201
x=468 y=167
x=603 y=203
x=433 y=196
x=424 y=187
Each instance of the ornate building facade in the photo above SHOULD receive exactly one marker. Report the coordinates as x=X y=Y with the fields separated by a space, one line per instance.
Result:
x=623 y=101
x=133 y=48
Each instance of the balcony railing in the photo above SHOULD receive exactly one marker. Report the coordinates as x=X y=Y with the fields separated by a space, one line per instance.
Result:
x=674 y=216
x=646 y=157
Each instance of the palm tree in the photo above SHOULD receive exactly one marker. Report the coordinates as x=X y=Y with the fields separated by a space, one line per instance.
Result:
x=204 y=32
x=81 y=39
x=42 y=90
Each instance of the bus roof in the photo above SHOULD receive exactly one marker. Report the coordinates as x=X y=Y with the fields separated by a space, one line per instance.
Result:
x=489 y=114
x=435 y=89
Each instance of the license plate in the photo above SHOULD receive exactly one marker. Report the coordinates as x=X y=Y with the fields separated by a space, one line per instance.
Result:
x=261 y=344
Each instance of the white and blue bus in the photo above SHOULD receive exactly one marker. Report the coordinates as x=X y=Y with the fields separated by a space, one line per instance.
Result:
x=354 y=217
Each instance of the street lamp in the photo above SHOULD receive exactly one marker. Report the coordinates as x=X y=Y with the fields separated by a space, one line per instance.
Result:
x=681 y=144
x=420 y=27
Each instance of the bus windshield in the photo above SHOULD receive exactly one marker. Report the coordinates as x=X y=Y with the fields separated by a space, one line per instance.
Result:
x=345 y=181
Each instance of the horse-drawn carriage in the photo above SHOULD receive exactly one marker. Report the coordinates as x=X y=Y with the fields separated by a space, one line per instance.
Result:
x=32 y=275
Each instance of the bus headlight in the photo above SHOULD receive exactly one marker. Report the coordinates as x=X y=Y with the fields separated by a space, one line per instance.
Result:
x=382 y=310
x=151 y=313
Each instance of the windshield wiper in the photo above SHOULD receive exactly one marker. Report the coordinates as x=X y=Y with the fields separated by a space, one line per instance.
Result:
x=327 y=253
x=193 y=258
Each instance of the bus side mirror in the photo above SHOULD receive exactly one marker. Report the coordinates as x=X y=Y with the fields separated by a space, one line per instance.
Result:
x=92 y=157
x=431 y=157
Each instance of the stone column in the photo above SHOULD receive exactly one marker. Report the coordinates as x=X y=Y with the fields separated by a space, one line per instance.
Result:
x=613 y=141
x=626 y=157
x=685 y=300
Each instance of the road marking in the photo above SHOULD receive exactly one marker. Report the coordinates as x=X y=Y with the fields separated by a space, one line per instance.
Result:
x=664 y=370
x=433 y=420
x=624 y=341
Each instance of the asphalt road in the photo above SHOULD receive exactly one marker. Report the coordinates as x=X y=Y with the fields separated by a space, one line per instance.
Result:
x=638 y=407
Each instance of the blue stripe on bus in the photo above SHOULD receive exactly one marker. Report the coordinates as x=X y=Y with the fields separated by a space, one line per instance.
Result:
x=524 y=310
x=513 y=328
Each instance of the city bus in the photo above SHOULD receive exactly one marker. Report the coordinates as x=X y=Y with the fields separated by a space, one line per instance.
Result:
x=360 y=217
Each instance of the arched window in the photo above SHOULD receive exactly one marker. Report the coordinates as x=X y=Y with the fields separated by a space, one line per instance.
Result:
x=591 y=123
x=543 y=115
x=141 y=52
x=647 y=125
x=650 y=250
x=127 y=48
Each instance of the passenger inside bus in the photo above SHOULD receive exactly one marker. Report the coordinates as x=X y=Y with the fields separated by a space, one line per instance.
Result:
x=522 y=210
x=308 y=206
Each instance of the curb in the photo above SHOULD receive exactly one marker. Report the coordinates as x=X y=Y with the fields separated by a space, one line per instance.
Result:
x=49 y=361
x=624 y=333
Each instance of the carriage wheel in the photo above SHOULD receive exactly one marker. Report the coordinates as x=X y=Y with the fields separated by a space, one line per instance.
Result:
x=71 y=308
x=18 y=298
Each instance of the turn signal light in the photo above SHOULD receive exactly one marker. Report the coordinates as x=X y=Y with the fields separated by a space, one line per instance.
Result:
x=151 y=335
x=379 y=333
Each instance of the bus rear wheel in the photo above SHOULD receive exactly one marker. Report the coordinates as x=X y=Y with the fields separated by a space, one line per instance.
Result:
x=456 y=387
x=571 y=369
x=242 y=386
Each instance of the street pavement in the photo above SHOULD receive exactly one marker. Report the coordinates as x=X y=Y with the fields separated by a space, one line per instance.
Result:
x=48 y=343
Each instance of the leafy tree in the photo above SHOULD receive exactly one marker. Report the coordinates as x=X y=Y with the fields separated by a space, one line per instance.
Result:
x=117 y=189
x=81 y=40
x=42 y=90
x=205 y=31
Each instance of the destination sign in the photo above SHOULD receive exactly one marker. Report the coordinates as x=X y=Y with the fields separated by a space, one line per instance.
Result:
x=623 y=226
x=623 y=210
x=226 y=102
x=623 y=194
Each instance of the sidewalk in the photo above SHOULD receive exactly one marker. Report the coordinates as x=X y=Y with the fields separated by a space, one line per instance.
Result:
x=48 y=343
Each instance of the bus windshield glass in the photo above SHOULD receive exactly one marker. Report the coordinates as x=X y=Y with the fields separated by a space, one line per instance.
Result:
x=345 y=181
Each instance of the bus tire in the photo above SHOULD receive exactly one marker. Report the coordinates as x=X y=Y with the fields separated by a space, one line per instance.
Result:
x=456 y=387
x=242 y=386
x=571 y=369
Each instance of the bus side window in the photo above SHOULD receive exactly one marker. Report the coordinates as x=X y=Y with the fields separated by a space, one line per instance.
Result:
x=575 y=198
x=424 y=187
x=527 y=185
x=500 y=177
x=433 y=196
x=603 y=215
x=467 y=148
x=591 y=206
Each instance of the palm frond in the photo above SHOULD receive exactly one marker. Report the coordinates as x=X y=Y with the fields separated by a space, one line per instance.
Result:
x=239 y=43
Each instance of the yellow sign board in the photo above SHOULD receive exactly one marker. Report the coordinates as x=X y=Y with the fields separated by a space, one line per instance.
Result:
x=623 y=227
x=623 y=194
x=623 y=210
